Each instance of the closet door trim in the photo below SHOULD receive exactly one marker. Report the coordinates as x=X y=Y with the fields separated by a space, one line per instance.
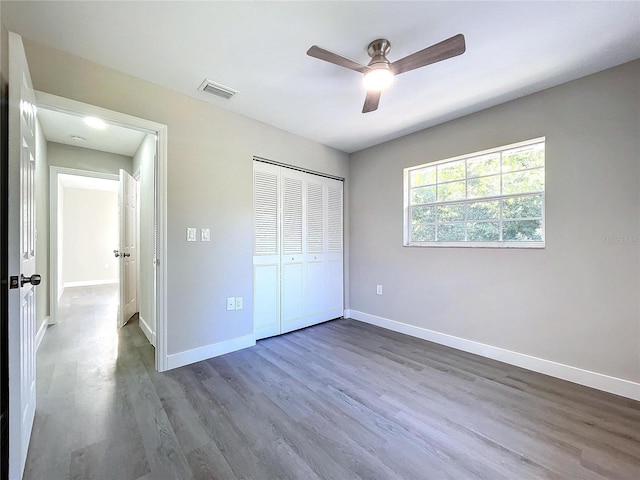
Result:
x=299 y=169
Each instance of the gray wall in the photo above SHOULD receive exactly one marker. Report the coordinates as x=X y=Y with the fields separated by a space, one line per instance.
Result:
x=210 y=154
x=575 y=302
x=90 y=234
x=69 y=156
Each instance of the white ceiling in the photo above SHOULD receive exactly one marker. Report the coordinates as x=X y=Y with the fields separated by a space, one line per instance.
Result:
x=258 y=48
x=61 y=127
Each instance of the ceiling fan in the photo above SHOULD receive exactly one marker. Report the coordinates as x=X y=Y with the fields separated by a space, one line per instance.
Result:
x=379 y=72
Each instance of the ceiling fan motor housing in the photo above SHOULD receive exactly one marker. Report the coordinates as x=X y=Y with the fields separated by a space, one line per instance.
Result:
x=378 y=50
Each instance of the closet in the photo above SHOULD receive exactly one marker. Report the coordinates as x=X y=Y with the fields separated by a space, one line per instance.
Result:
x=297 y=249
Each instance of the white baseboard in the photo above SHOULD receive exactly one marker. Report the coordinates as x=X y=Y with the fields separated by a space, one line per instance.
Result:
x=618 y=386
x=146 y=329
x=89 y=283
x=41 y=331
x=176 y=360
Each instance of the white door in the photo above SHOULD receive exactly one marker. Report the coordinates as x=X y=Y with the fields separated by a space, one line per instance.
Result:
x=266 y=250
x=298 y=260
x=334 y=251
x=315 y=288
x=293 y=240
x=128 y=252
x=22 y=256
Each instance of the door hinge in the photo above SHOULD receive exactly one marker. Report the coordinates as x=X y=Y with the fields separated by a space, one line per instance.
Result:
x=14 y=282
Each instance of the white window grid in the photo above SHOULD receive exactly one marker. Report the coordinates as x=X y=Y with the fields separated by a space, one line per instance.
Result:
x=501 y=198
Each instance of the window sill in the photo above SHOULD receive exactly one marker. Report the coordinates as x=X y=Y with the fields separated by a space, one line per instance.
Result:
x=527 y=245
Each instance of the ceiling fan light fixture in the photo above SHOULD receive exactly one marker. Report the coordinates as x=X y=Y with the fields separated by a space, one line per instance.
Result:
x=378 y=79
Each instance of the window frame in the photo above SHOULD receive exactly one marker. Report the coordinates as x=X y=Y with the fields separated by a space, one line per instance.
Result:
x=475 y=244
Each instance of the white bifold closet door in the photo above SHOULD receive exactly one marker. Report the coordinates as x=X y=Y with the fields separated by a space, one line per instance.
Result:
x=298 y=259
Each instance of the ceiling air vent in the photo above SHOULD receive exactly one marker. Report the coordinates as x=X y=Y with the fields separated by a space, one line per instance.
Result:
x=217 y=89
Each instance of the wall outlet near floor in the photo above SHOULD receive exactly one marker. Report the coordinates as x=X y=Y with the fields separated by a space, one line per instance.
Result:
x=379 y=289
x=238 y=303
x=231 y=303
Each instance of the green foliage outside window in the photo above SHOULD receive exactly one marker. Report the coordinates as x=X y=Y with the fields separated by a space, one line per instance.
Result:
x=494 y=197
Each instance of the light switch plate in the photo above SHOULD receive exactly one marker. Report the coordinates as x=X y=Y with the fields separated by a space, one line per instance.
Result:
x=191 y=234
x=238 y=303
x=205 y=235
x=231 y=303
x=379 y=289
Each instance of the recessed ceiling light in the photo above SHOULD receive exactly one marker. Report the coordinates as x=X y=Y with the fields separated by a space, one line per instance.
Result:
x=96 y=123
x=78 y=138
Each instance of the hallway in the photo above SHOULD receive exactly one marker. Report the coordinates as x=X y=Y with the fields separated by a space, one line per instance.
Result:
x=84 y=410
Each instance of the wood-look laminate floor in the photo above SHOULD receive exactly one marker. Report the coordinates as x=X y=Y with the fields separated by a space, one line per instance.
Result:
x=342 y=400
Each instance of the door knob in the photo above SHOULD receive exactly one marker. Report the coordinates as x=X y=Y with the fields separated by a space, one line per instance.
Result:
x=125 y=254
x=116 y=253
x=34 y=279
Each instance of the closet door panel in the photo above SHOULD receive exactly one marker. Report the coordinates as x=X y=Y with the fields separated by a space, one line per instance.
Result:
x=293 y=238
x=292 y=294
x=334 y=217
x=334 y=288
x=292 y=214
x=334 y=251
x=315 y=217
x=266 y=213
x=315 y=285
x=315 y=288
x=266 y=250
x=266 y=300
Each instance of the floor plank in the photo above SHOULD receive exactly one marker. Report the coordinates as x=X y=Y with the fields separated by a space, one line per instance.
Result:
x=342 y=400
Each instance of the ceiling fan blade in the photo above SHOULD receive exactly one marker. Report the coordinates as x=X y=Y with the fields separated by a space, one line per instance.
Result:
x=371 y=101
x=448 y=48
x=336 y=59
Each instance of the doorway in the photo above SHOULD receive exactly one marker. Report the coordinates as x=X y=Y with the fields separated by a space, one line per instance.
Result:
x=84 y=231
x=151 y=170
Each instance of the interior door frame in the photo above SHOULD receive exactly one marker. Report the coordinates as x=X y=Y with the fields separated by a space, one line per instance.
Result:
x=54 y=209
x=137 y=176
x=54 y=102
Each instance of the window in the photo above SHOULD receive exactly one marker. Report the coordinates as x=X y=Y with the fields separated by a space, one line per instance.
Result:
x=493 y=198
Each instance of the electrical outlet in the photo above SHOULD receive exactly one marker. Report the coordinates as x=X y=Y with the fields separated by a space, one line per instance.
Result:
x=379 y=289
x=191 y=234
x=238 y=303
x=231 y=303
